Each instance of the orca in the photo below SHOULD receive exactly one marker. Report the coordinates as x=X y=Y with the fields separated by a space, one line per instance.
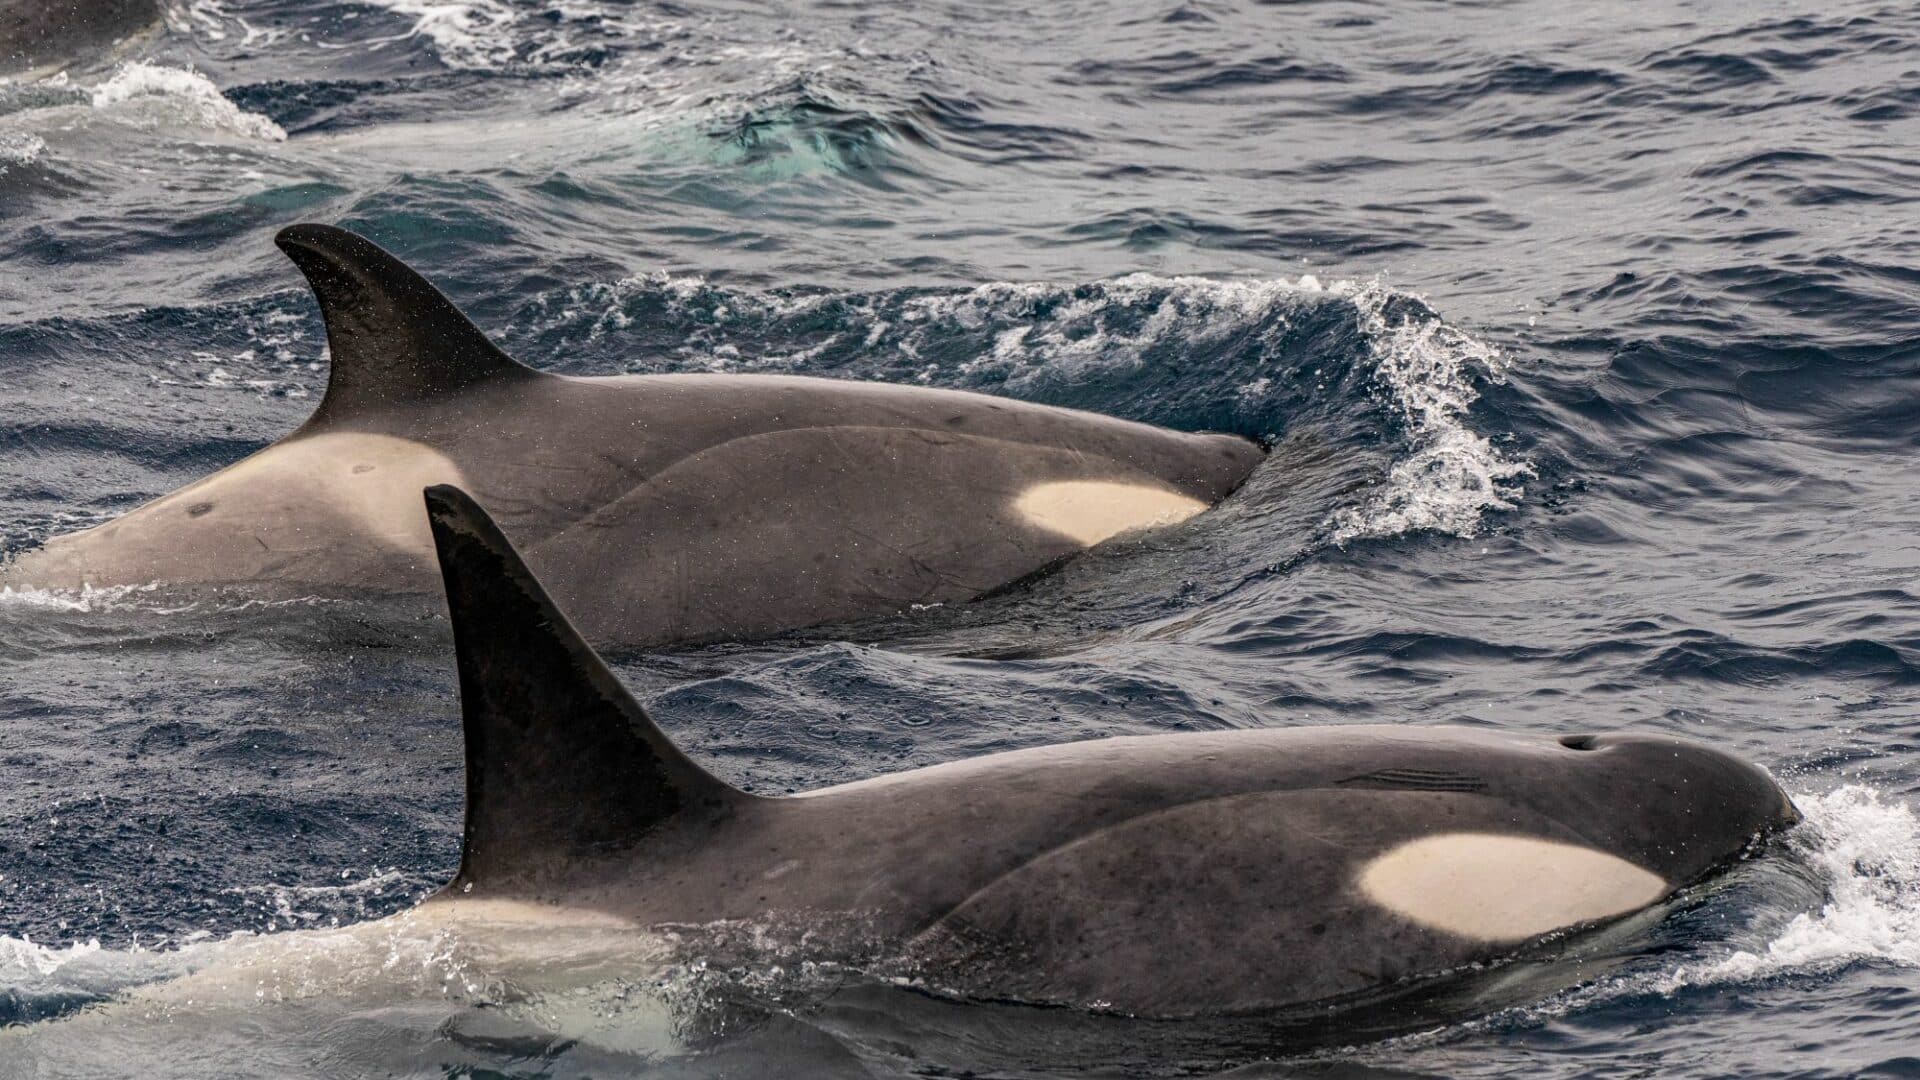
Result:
x=43 y=33
x=659 y=508
x=1180 y=875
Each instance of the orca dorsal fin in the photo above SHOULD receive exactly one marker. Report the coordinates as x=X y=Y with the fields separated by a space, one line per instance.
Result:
x=396 y=340
x=563 y=765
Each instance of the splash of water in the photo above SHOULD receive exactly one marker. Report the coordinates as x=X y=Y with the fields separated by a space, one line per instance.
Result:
x=1866 y=850
x=179 y=96
x=1428 y=371
x=20 y=148
x=21 y=959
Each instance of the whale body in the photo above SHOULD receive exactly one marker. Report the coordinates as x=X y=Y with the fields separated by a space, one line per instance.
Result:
x=1167 y=875
x=658 y=508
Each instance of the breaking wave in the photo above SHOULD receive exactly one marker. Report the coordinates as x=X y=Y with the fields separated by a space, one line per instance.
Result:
x=154 y=94
x=1452 y=475
x=140 y=94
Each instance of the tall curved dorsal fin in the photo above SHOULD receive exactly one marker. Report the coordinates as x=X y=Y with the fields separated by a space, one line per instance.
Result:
x=395 y=339
x=563 y=765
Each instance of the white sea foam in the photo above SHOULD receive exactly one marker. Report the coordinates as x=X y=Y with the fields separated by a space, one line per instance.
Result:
x=1428 y=371
x=88 y=598
x=1084 y=333
x=214 y=371
x=21 y=960
x=36 y=977
x=1077 y=330
x=475 y=34
x=165 y=96
x=212 y=21
x=488 y=35
x=145 y=598
x=1866 y=850
x=20 y=148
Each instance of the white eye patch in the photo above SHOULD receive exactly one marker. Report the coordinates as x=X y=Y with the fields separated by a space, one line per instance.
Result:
x=1491 y=887
x=1089 y=511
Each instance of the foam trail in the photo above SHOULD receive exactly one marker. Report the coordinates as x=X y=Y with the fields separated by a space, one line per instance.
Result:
x=113 y=598
x=491 y=35
x=1866 y=850
x=1454 y=475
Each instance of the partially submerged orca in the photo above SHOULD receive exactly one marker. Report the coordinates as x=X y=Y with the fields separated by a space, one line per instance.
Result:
x=659 y=508
x=1167 y=875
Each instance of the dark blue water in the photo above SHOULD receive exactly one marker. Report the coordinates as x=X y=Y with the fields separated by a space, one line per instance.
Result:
x=1588 y=338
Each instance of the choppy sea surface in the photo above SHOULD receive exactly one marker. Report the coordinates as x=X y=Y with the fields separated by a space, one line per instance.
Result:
x=1587 y=336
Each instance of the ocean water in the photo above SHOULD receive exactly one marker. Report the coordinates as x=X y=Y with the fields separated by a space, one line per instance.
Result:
x=1587 y=336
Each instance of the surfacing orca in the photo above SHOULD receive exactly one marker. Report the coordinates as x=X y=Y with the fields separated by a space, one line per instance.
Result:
x=1169 y=875
x=659 y=508
x=42 y=33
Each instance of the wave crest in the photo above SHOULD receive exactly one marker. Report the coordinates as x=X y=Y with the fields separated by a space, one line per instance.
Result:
x=164 y=95
x=1427 y=370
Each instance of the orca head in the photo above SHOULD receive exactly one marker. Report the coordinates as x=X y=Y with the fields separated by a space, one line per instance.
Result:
x=1591 y=828
x=1676 y=807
